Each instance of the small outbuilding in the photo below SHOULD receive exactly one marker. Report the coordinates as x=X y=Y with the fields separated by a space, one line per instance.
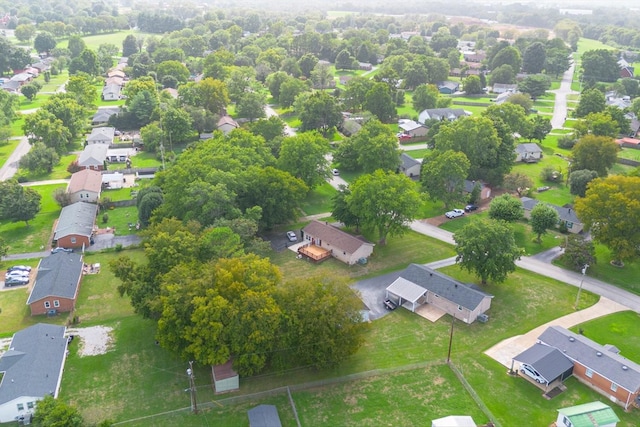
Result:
x=225 y=379
x=264 y=416
x=594 y=414
x=410 y=166
x=528 y=152
x=454 y=421
x=113 y=181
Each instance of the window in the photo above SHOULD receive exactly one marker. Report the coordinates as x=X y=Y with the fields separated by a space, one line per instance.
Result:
x=569 y=225
x=566 y=421
x=47 y=304
x=20 y=407
x=73 y=240
x=56 y=303
x=614 y=387
x=589 y=373
x=30 y=405
x=81 y=196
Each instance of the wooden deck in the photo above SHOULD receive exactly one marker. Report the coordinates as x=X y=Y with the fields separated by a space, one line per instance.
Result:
x=314 y=253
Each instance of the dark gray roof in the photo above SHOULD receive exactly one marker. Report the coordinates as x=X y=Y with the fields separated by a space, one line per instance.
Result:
x=58 y=275
x=444 y=286
x=620 y=370
x=264 y=416
x=565 y=214
x=528 y=147
x=93 y=155
x=548 y=361
x=441 y=114
x=33 y=364
x=76 y=218
x=103 y=114
x=469 y=185
x=408 y=161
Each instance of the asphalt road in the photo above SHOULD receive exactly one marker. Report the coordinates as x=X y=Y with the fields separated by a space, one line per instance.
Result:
x=560 y=105
x=10 y=167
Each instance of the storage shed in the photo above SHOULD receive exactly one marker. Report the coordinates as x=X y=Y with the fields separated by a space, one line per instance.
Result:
x=225 y=379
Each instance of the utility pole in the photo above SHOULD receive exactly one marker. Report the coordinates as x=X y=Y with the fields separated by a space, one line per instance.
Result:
x=584 y=271
x=192 y=388
x=453 y=318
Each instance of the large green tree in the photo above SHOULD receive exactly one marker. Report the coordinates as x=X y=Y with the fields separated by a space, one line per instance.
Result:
x=44 y=42
x=373 y=147
x=535 y=85
x=443 y=174
x=543 y=217
x=40 y=159
x=385 y=202
x=488 y=249
x=600 y=65
x=534 y=58
x=596 y=153
x=591 y=101
x=579 y=181
x=380 y=103
x=304 y=157
x=506 y=208
x=52 y=412
x=425 y=96
x=611 y=211
x=320 y=112
x=18 y=203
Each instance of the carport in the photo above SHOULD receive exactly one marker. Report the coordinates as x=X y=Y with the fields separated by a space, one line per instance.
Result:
x=548 y=361
x=406 y=291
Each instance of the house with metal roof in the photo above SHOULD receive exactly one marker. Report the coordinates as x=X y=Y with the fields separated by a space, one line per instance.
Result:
x=93 y=157
x=410 y=166
x=101 y=135
x=418 y=285
x=75 y=225
x=322 y=241
x=594 y=414
x=85 y=186
x=600 y=367
x=448 y=87
x=442 y=114
x=57 y=284
x=566 y=216
x=547 y=361
x=264 y=416
x=31 y=369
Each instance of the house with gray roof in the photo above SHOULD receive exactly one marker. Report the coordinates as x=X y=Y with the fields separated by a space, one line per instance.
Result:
x=410 y=166
x=93 y=157
x=503 y=88
x=419 y=284
x=566 y=216
x=529 y=152
x=485 y=190
x=412 y=128
x=57 y=283
x=31 y=369
x=442 y=114
x=75 y=225
x=322 y=240
x=111 y=92
x=101 y=135
x=547 y=361
x=600 y=367
x=448 y=87
x=103 y=114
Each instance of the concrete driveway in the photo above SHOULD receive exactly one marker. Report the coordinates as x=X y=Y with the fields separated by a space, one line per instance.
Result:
x=505 y=351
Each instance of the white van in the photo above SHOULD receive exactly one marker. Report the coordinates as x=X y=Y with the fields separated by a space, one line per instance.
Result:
x=530 y=372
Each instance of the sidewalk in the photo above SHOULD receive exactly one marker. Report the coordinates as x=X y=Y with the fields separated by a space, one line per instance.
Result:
x=506 y=350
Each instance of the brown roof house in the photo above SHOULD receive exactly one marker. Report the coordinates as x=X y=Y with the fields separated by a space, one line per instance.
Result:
x=419 y=285
x=75 y=225
x=85 y=186
x=57 y=283
x=226 y=124
x=324 y=240
x=600 y=367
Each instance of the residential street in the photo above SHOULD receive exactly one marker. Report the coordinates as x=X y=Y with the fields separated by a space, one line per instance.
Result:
x=560 y=106
x=10 y=167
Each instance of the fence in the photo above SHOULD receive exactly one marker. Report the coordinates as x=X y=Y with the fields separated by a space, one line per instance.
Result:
x=628 y=162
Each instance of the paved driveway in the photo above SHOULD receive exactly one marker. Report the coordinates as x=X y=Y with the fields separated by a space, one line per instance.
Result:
x=372 y=293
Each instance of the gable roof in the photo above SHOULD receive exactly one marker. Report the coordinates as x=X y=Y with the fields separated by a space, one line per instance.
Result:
x=565 y=214
x=58 y=275
x=85 y=180
x=33 y=364
x=408 y=161
x=94 y=154
x=264 y=416
x=409 y=125
x=76 y=218
x=406 y=289
x=470 y=184
x=454 y=421
x=103 y=114
x=444 y=286
x=334 y=236
x=620 y=370
x=449 y=85
x=102 y=133
x=548 y=361
x=529 y=147
x=590 y=415
x=226 y=120
x=441 y=114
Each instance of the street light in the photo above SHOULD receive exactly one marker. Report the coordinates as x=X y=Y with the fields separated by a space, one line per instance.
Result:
x=584 y=272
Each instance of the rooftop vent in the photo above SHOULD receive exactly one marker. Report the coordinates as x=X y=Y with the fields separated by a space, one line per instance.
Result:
x=625 y=367
x=572 y=339
x=598 y=353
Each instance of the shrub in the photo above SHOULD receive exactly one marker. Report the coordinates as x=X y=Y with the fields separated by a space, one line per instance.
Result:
x=566 y=141
x=119 y=247
x=105 y=218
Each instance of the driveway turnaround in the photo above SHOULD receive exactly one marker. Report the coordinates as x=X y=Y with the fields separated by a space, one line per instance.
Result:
x=506 y=350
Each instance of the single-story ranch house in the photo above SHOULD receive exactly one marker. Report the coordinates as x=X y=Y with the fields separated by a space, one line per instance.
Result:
x=75 y=225
x=324 y=240
x=418 y=285
x=410 y=166
x=101 y=135
x=567 y=216
x=31 y=369
x=85 y=186
x=600 y=367
x=413 y=129
x=93 y=157
x=57 y=283
x=528 y=152
x=442 y=114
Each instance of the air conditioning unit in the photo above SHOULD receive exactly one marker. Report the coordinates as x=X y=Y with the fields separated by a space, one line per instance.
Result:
x=483 y=318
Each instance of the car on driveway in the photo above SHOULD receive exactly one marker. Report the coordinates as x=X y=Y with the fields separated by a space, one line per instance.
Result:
x=454 y=213
x=19 y=267
x=470 y=208
x=16 y=281
x=335 y=172
x=17 y=273
x=404 y=137
x=291 y=235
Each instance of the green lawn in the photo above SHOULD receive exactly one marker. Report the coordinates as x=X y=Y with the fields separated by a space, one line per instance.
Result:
x=619 y=328
x=119 y=219
x=418 y=154
x=59 y=171
x=319 y=200
x=36 y=236
x=629 y=153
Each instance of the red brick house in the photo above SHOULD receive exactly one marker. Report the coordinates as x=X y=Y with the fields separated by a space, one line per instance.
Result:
x=75 y=225
x=57 y=284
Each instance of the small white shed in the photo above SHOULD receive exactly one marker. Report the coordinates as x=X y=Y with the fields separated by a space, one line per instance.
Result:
x=225 y=379
x=454 y=421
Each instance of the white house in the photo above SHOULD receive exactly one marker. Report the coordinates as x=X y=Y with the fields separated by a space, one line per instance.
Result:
x=85 y=186
x=101 y=135
x=31 y=369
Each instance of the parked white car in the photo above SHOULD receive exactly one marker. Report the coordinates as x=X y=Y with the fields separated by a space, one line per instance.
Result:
x=454 y=213
x=291 y=235
x=532 y=373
